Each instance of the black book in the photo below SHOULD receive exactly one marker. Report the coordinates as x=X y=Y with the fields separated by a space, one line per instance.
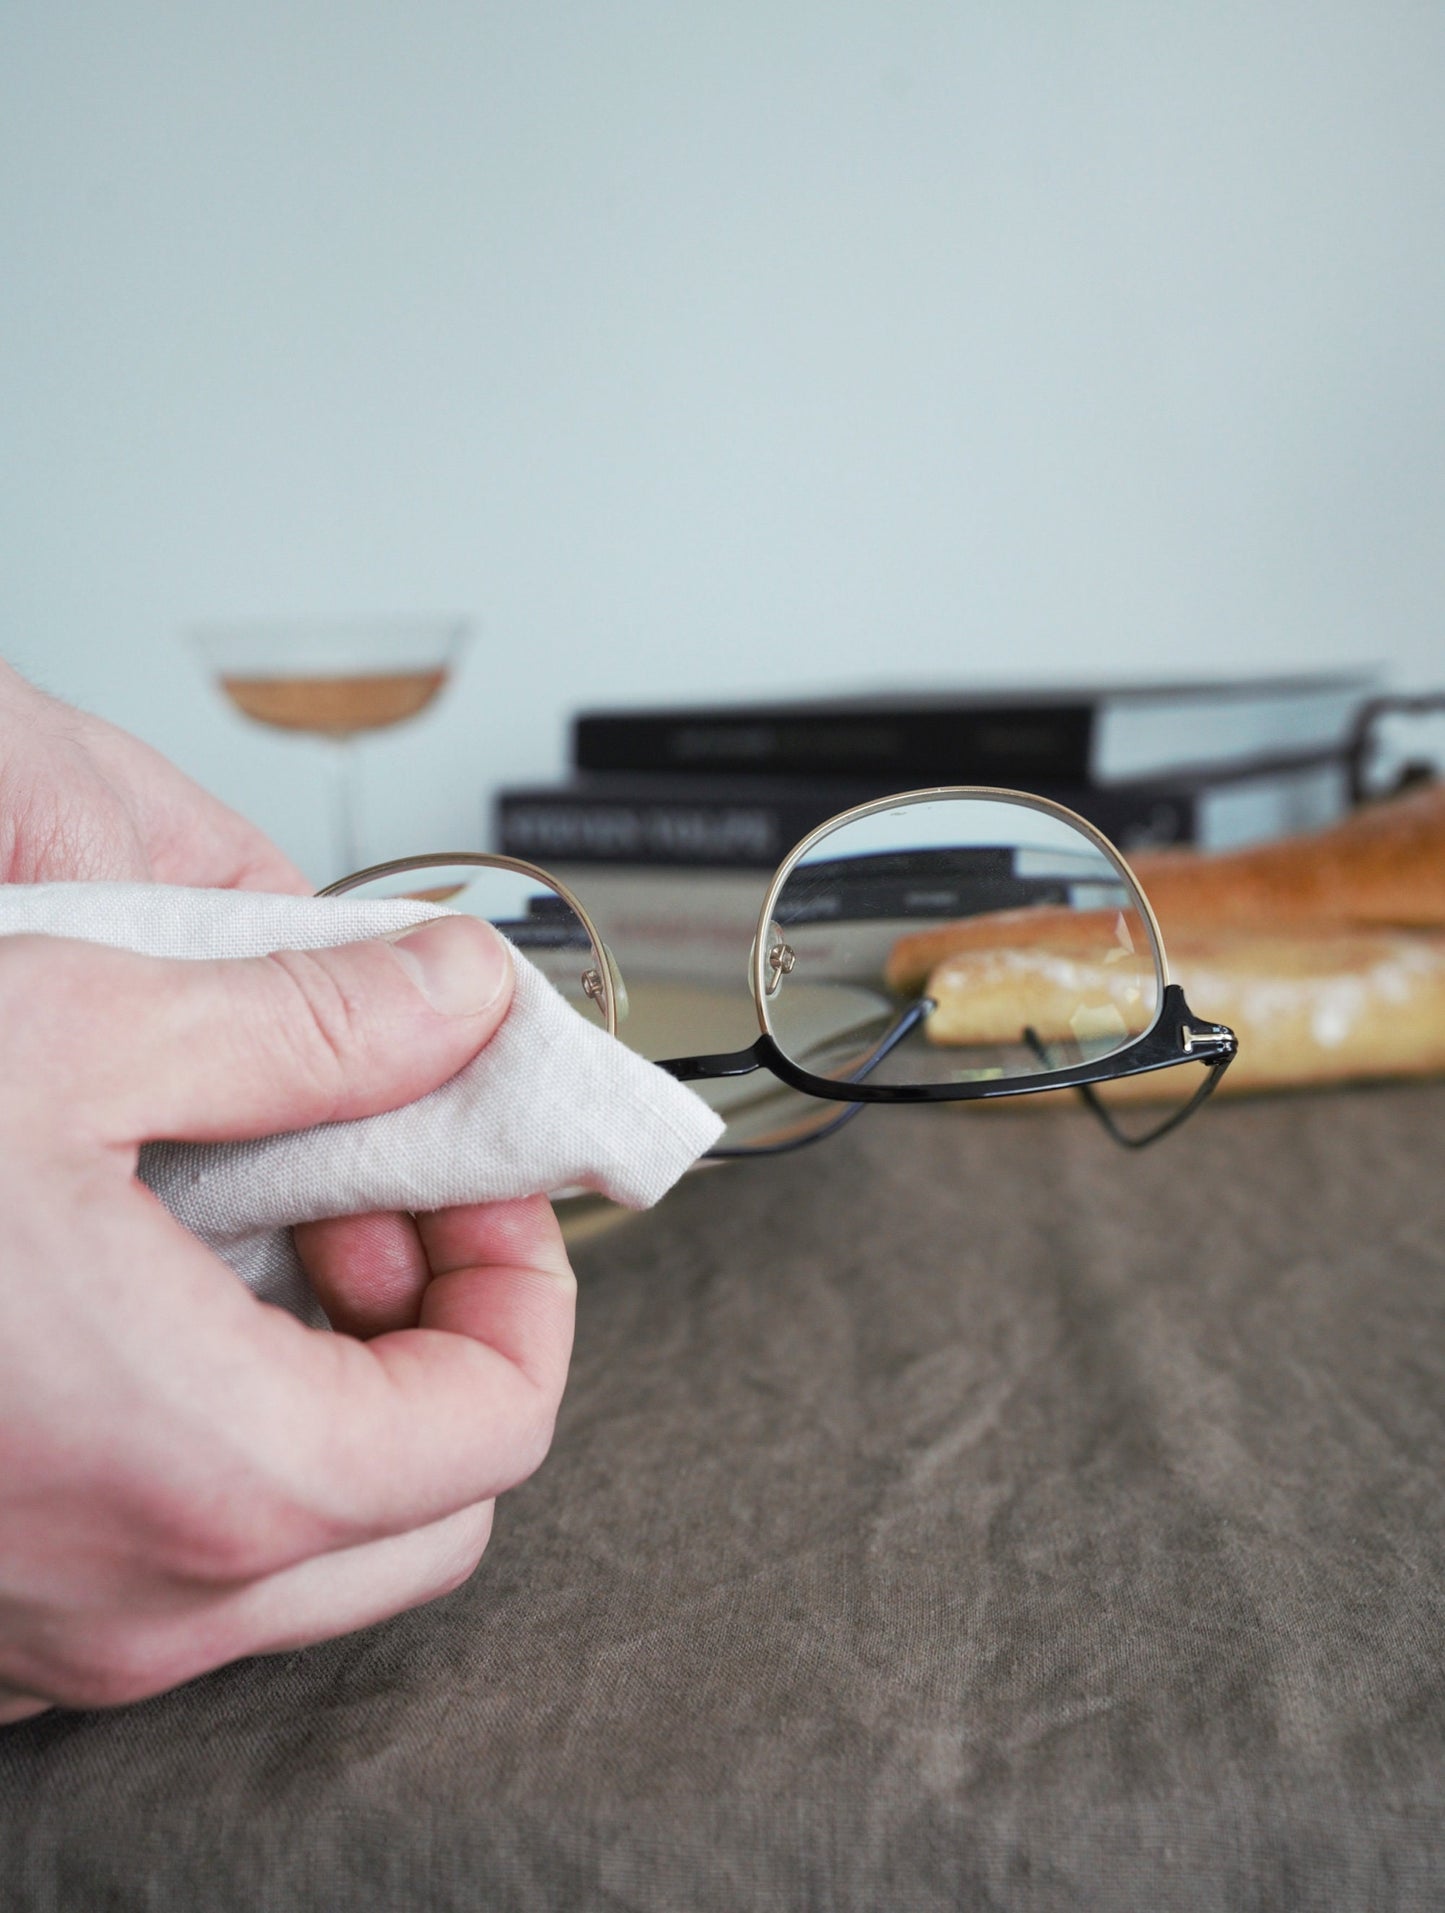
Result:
x=917 y=883
x=752 y=823
x=1023 y=739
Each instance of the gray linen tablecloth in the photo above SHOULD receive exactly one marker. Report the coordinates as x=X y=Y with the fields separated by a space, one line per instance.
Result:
x=964 y=1514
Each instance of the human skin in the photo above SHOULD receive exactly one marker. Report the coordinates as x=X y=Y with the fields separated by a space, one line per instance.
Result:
x=80 y=799
x=186 y=1475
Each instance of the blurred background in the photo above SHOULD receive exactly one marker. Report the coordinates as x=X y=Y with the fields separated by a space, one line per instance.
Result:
x=694 y=352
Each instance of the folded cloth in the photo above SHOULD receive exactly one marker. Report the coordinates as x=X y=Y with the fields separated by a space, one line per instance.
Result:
x=551 y=1103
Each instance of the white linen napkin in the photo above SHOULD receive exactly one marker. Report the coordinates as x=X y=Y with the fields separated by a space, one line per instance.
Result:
x=551 y=1103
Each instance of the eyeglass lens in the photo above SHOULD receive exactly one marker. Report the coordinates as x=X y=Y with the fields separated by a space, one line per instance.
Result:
x=1013 y=928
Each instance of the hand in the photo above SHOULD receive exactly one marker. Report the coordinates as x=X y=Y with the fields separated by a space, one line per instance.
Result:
x=188 y=1476
x=80 y=799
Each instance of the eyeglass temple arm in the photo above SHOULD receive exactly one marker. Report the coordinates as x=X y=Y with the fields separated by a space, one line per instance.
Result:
x=1213 y=1077
x=891 y=1038
x=710 y=1069
x=742 y=1062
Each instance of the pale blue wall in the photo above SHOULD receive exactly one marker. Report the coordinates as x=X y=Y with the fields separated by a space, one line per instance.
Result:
x=697 y=349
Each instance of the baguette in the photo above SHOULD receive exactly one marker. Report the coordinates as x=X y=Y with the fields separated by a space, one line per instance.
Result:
x=1308 y=1009
x=1384 y=864
x=1052 y=931
x=1324 y=953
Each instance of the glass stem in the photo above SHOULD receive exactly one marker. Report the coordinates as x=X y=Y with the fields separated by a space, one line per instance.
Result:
x=342 y=752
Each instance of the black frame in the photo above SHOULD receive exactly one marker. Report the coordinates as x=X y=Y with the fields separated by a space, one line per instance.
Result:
x=1176 y=1036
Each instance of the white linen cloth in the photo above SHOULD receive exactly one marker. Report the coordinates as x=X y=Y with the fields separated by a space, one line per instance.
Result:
x=551 y=1103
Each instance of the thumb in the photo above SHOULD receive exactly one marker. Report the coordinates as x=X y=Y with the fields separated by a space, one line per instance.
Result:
x=145 y=1048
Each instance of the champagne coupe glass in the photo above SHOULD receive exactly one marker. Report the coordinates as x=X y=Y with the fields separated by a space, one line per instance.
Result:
x=334 y=681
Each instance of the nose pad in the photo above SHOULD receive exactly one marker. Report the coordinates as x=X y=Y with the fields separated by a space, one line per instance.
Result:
x=602 y=990
x=781 y=960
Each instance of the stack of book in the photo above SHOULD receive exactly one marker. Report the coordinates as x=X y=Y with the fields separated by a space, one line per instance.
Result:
x=673 y=820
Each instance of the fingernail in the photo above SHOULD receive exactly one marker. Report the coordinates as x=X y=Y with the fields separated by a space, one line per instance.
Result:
x=460 y=965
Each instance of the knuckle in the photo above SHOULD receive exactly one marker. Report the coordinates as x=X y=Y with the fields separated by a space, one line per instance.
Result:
x=38 y=974
x=323 y=1017
x=114 y=1669
x=235 y=1538
x=16 y=972
x=226 y=1553
x=51 y=993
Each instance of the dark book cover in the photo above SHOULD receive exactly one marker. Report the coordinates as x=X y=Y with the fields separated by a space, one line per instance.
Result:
x=1066 y=738
x=751 y=823
x=933 y=745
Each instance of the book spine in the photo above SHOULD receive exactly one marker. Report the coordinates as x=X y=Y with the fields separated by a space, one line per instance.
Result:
x=726 y=833
x=1008 y=745
x=732 y=833
x=732 y=829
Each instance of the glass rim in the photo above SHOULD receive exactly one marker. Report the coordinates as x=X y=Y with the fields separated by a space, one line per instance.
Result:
x=902 y=800
x=321 y=641
x=520 y=866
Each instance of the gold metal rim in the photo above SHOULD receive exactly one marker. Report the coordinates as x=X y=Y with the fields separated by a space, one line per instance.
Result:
x=494 y=860
x=1023 y=800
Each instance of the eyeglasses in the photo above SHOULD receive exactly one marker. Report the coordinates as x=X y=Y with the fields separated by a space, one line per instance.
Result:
x=944 y=945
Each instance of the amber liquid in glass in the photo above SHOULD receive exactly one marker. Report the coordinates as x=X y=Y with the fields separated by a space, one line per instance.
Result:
x=334 y=706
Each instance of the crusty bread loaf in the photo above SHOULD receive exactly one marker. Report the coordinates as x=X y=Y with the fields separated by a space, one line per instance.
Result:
x=1053 y=929
x=1383 y=864
x=1306 y=1008
x=1324 y=953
